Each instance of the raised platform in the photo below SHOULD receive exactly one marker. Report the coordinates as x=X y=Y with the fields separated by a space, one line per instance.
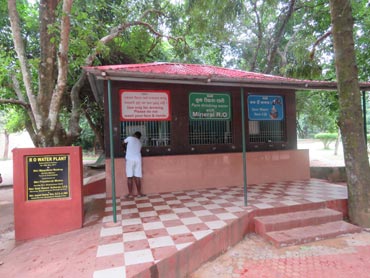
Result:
x=330 y=173
x=172 y=234
x=94 y=184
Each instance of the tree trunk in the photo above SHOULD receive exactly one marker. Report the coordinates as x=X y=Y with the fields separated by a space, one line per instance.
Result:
x=99 y=139
x=337 y=142
x=259 y=37
x=276 y=40
x=48 y=56
x=350 y=118
x=44 y=100
x=6 y=145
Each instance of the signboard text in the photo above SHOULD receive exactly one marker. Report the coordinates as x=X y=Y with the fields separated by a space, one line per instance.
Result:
x=145 y=105
x=209 y=106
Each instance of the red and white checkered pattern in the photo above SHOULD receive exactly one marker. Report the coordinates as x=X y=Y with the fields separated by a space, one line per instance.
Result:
x=152 y=228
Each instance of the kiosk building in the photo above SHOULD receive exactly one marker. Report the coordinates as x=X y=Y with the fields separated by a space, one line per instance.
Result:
x=202 y=126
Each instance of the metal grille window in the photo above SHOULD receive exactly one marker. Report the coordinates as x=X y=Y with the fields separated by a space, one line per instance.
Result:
x=267 y=131
x=209 y=132
x=153 y=133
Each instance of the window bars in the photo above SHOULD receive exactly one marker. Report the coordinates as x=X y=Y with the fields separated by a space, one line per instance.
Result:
x=209 y=132
x=267 y=131
x=204 y=132
x=153 y=133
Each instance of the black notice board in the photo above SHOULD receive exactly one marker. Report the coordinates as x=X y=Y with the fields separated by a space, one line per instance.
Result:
x=48 y=177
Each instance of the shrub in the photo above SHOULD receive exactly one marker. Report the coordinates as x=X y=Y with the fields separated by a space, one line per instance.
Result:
x=326 y=138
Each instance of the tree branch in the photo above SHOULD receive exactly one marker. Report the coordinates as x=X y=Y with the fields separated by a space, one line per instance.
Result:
x=115 y=32
x=14 y=101
x=153 y=46
x=259 y=36
x=62 y=64
x=74 y=127
x=150 y=11
x=94 y=128
x=283 y=54
x=21 y=52
x=278 y=36
x=318 y=41
x=19 y=94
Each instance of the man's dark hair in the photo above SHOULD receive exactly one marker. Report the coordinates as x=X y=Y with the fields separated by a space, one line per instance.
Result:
x=137 y=134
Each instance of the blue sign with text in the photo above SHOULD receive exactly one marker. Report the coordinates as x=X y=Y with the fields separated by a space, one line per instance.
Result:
x=265 y=108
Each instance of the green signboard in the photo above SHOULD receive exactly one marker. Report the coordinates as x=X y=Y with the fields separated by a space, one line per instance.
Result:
x=209 y=106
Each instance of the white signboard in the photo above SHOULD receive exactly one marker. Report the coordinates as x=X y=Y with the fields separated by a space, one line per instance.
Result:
x=145 y=105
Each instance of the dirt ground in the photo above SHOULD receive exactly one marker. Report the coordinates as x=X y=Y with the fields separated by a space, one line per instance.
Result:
x=7 y=236
x=7 y=242
x=321 y=157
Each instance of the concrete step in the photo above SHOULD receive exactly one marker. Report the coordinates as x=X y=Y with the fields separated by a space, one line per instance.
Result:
x=284 y=221
x=310 y=233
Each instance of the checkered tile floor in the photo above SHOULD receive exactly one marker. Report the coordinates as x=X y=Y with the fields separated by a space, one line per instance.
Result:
x=152 y=228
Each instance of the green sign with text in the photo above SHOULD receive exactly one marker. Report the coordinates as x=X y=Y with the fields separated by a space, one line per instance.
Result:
x=209 y=106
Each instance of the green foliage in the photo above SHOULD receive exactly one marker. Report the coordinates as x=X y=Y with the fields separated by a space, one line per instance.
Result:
x=361 y=13
x=224 y=33
x=91 y=21
x=212 y=17
x=87 y=137
x=14 y=120
x=302 y=67
x=316 y=112
x=326 y=138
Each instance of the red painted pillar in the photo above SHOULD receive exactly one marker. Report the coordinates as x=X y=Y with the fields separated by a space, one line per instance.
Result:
x=47 y=191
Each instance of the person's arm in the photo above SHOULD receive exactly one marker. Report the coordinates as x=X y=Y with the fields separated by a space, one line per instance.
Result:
x=124 y=146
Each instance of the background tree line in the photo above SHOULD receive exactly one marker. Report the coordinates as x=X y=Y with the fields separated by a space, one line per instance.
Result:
x=44 y=90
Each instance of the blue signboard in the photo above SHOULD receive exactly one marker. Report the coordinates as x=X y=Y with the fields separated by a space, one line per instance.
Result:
x=265 y=108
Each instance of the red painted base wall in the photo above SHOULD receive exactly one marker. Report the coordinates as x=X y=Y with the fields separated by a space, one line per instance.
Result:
x=40 y=218
x=187 y=172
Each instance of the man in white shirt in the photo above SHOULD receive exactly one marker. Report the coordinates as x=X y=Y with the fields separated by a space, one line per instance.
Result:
x=133 y=164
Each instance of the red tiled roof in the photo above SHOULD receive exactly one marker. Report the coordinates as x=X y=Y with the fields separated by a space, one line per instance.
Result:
x=205 y=74
x=188 y=70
